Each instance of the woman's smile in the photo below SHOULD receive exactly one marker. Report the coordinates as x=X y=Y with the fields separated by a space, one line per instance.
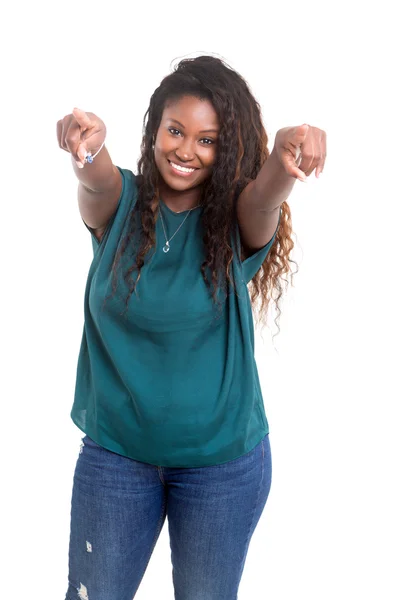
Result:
x=181 y=171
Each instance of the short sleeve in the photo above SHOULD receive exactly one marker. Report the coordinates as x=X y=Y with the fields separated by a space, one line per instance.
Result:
x=125 y=204
x=252 y=264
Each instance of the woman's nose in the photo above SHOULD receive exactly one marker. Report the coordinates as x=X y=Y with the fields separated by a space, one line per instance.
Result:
x=185 y=150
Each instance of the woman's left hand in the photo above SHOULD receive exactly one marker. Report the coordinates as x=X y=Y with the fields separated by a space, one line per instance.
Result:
x=301 y=149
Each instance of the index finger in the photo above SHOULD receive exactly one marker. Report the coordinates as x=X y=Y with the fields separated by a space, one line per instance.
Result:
x=82 y=118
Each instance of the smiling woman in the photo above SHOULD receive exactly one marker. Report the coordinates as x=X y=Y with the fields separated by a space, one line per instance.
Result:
x=167 y=389
x=184 y=157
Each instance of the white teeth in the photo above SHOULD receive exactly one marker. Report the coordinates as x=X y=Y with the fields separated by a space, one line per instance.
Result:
x=184 y=169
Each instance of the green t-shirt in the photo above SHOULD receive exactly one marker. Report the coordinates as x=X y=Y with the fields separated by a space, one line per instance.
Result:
x=172 y=382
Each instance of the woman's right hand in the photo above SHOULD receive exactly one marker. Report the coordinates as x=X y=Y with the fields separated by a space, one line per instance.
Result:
x=80 y=133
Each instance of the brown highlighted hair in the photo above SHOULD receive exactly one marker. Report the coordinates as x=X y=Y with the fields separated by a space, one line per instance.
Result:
x=241 y=152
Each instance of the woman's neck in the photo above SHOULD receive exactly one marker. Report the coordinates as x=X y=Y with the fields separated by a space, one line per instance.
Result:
x=179 y=201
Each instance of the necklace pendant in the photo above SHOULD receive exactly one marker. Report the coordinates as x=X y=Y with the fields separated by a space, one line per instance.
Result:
x=166 y=247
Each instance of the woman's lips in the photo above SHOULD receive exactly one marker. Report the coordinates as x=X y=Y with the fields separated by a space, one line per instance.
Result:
x=180 y=173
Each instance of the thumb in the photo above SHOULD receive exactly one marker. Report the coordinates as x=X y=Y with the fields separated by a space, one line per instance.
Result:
x=83 y=119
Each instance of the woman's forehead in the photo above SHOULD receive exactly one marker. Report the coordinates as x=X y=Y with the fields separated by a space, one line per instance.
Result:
x=191 y=111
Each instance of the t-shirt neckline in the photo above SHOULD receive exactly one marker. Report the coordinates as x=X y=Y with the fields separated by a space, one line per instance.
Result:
x=178 y=214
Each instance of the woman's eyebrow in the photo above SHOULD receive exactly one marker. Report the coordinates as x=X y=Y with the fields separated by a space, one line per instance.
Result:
x=202 y=131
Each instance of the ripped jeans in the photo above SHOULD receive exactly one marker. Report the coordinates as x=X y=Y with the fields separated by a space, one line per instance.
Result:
x=118 y=509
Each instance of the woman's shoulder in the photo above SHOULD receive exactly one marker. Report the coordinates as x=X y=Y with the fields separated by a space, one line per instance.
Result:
x=131 y=184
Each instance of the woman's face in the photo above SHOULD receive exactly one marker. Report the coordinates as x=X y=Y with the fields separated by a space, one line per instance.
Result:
x=187 y=137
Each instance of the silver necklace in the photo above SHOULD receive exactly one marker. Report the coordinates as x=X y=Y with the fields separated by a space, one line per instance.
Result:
x=167 y=241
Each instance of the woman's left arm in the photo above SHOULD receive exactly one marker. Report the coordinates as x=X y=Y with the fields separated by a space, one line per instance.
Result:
x=296 y=153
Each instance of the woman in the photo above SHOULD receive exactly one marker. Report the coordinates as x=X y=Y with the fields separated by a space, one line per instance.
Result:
x=167 y=389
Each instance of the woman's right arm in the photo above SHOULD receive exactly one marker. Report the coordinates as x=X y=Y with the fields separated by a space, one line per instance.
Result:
x=100 y=182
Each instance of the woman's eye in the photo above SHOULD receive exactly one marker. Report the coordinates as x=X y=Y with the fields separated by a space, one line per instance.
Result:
x=173 y=131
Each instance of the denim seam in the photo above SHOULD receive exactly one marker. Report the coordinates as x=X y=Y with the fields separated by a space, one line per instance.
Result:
x=160 y=474
x=160 y=522
x=254 y=508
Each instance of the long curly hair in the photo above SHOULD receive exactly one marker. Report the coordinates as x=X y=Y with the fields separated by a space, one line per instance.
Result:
x=242 y=150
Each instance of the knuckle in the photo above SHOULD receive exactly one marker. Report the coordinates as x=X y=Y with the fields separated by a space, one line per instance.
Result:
x=71 y=146
x=72 y=136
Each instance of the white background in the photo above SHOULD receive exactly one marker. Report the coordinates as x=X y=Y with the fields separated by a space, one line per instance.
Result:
x=330 y=528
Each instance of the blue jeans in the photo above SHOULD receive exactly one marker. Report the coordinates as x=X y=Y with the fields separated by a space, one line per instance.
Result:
x=119 y=507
